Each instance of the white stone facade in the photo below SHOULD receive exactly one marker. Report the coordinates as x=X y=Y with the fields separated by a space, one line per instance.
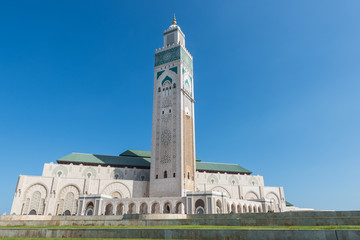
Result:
x=68 y=189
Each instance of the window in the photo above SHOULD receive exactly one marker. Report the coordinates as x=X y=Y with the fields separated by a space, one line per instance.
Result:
x=159 y=90
x=170 y=87
x=162 y=112
x=173 y=174
x=188 y=175
x=157 y=176
x=174 y=85
x=165 y=174
x=116 y=176
x=142 y=178
x=169 y=110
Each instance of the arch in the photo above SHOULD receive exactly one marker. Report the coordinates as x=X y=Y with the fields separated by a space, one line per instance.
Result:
x=36 y=187
x=253 y=181
x=222 y=190
x=116 y=195
x=120 y=209
x=219 y=206
x=60 y=171
x=167 y=78
x=269 y=209
x=165 y=174
x=251 y=195
x=68 y=198
x=274 y=201
x=245 y=208
x=233 y=180
x=117 y=187
x=34 y=199
x=212 y=179
x=32 y=212
x=239 y=208
x=249 y=209
x=272 y=195
x=132 y=208
x=259 y=209
x=117 y=174
x=155 y=207
x=199 y=206
x=167 y=207
x=89 y=210
x=143 y=208
x=179 y=207
x=89 y=172
x=233 y=208
x=67 y=213
x=254 y=209
x=109 y=209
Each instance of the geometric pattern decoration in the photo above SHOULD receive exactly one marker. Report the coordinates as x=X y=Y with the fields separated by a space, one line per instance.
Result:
x=212 y=179
x=173 y=54
x=158 y=74
x=174 y=69
x=169 y=55
x=89 y=172
x=167 y=78
x=117 y=187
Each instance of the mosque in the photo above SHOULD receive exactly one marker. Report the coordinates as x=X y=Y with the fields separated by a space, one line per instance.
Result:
x=167 y=180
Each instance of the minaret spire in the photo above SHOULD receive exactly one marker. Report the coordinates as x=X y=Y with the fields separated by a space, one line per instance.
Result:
x=174 y=20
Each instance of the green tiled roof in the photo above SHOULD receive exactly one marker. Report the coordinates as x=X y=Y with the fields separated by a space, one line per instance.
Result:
x=136 y=153
x=288 y=204
x=95 y=159
x=141 y=159
x=220 y=167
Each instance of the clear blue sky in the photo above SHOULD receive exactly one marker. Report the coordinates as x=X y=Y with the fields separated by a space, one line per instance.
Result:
x=277 y=85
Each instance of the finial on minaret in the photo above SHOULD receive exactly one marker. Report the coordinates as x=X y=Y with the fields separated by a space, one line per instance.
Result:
x=174 y=20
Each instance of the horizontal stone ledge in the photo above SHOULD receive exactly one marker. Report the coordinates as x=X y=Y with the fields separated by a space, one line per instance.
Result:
x=228 y=234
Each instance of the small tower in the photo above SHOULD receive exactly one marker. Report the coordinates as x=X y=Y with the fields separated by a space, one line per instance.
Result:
x=173 y=168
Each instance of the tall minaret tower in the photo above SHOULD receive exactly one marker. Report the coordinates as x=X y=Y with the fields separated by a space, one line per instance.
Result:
x=172 y=171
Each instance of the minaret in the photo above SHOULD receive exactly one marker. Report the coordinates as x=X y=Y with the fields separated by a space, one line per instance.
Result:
x=172 y=171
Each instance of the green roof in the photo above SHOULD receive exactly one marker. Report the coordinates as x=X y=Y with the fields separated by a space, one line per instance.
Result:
x=136 y=153
x=141 y=159
x=220 y=167
x=94 y=159
x=288 y=204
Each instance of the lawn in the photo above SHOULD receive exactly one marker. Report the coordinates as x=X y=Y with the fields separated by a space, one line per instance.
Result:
x=332 y=227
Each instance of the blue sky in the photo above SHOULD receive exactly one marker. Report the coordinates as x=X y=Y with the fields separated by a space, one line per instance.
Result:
x=276 y=87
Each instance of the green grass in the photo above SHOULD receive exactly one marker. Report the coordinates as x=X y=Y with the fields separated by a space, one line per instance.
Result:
x=335 y=227
x=80 y=238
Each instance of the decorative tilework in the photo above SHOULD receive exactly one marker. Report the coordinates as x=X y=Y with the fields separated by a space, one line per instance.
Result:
x=173 y=54
x=186 y=59
x=167 y=78
x=158 y=74
x=167 y=56
x=174 y=69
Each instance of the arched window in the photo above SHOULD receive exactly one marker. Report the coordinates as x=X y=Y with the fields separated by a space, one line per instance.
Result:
x=159 y=89
x=174 y=174
x=165 y=174
x=188 y=175
x=174 y=85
